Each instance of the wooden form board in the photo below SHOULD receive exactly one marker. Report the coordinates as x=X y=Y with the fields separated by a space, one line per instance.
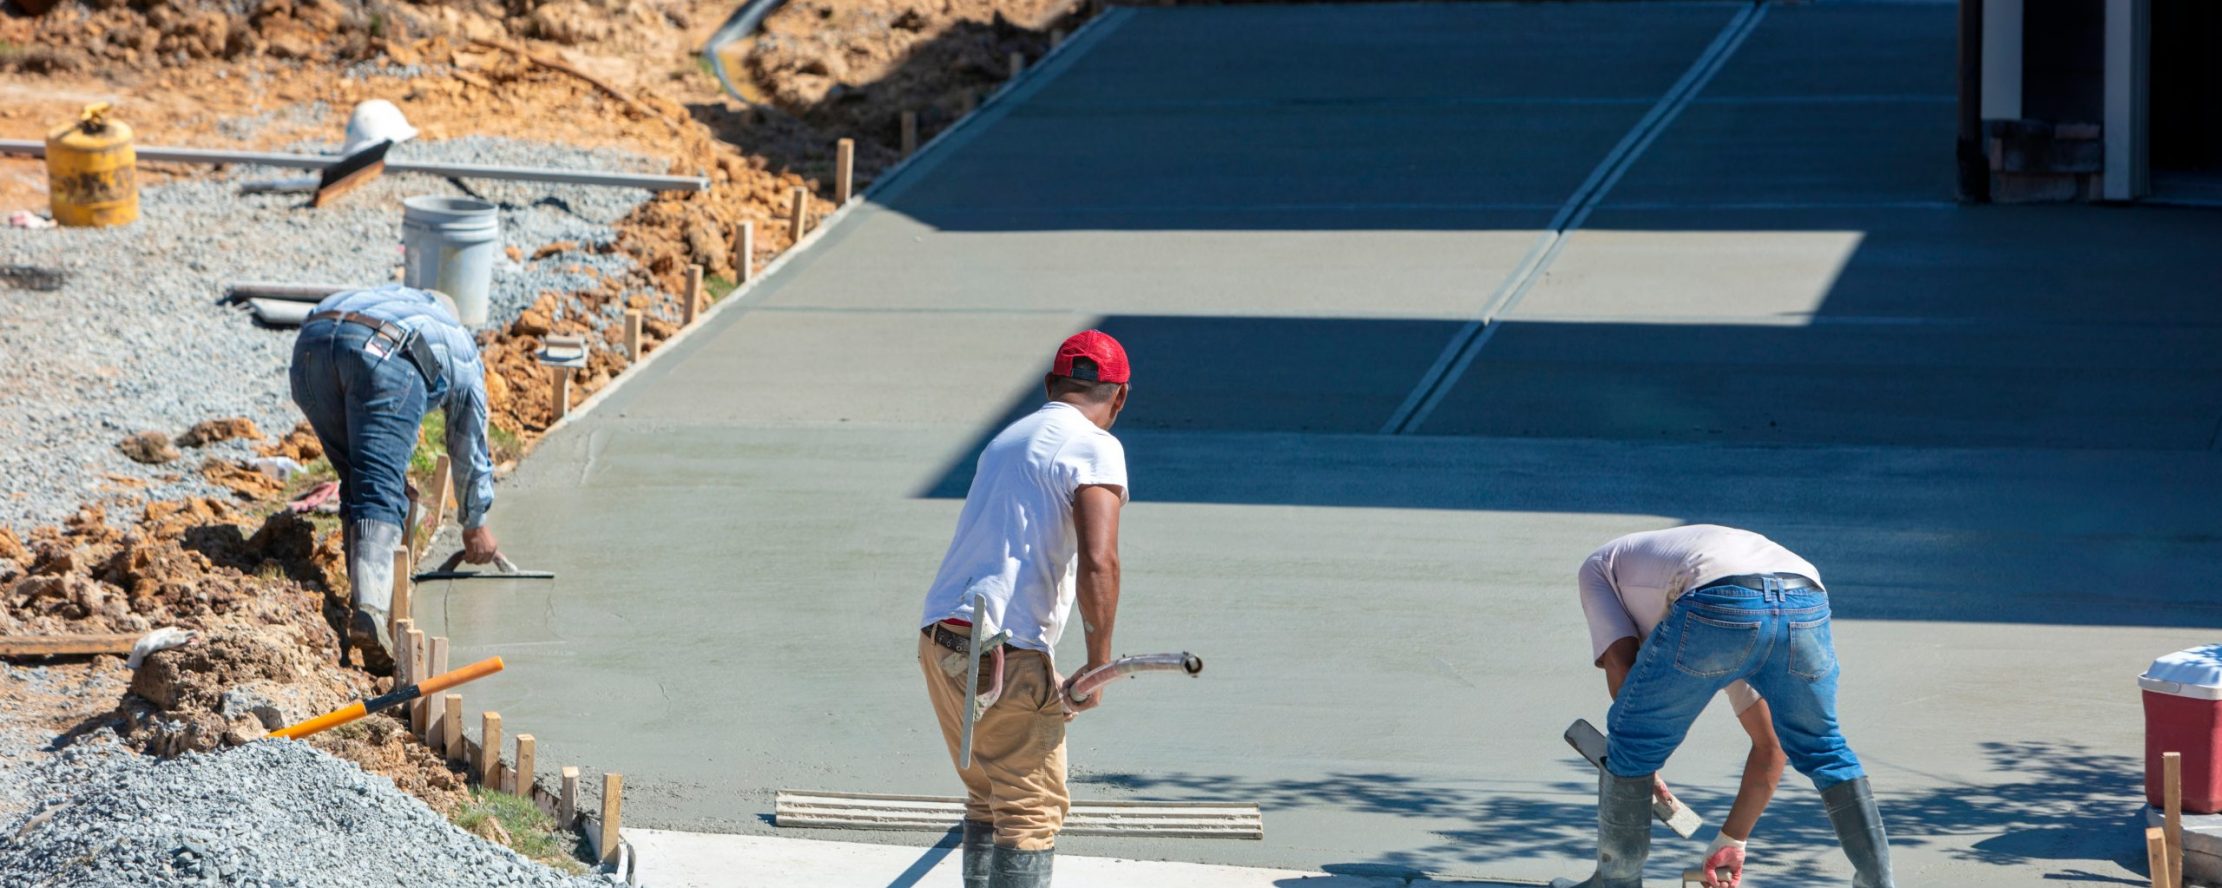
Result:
x=66 y=645
x=1190 y=820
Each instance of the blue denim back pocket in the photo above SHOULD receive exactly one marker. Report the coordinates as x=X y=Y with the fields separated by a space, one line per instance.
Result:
x=1710 y=648
x=1812 y=651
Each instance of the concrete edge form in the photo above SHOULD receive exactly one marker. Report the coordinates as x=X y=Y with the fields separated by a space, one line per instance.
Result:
x=1191 y=820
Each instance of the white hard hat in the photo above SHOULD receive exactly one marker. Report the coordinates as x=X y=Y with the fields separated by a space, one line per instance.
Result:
x=375 y=120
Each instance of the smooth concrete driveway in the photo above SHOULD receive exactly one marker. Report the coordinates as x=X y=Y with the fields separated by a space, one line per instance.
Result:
x=1723 y=281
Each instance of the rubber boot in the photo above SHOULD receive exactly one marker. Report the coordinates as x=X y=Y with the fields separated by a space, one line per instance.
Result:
x=1623 y=832
x=1859 y=826
x=979 y=853
x=370 y=573
x=1021 y=869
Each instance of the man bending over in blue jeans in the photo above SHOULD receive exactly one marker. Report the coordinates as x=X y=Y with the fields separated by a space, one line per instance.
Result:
x=367 y=367
x=1676 y=616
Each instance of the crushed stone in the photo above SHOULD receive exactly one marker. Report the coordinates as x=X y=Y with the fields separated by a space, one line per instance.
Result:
x=271 y=813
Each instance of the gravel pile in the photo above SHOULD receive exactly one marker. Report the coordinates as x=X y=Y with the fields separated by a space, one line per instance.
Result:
x=132 y=338
x=272 y=813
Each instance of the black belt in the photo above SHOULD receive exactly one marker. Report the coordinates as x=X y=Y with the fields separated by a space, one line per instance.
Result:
x=1790 y=582
x=396 y=336
x=954 y=641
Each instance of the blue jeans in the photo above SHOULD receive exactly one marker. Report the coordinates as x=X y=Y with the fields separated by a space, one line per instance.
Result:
x=366 y=410
x=1775 y=639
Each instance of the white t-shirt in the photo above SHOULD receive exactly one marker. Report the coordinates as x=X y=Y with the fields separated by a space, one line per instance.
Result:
x=1627 y=584
x=1015 y=539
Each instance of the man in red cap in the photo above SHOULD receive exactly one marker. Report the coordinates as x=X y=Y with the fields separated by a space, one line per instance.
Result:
x=1040 y=528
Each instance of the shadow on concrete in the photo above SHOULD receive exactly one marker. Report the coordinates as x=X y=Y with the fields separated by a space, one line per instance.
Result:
x=2055 y=805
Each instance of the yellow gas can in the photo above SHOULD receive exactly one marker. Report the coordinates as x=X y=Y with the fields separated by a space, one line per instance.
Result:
x=91 y=171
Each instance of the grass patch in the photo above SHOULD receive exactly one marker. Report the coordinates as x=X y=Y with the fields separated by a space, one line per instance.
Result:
x=718 y=286
x=502 y=446
x=532 y=832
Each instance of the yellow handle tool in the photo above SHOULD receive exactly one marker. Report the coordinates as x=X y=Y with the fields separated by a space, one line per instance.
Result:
x=395 y=697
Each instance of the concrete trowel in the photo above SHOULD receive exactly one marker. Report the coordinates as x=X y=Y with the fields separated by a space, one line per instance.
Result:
x=504 y=569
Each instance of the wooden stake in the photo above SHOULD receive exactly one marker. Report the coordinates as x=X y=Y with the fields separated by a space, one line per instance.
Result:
x=403 y=664
x=452 y=724
x=613 y=789
x=489 y=750
x=632 y=335
x=567 y=809
x=403 y=587
x=844 y=171
x=910 y=131
x=797 y=219
x=419 y=658
x=744 y=257
x=1056 y=36
x=2156 y=856
x=1018 y=64
x=559 y=391
x=409 y=526
x=435 y=718
x=967 y=101
x=525 y=744
x=693 y=296
x=2171 y=770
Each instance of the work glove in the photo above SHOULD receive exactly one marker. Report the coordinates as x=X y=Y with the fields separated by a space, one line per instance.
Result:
x=1724 y=862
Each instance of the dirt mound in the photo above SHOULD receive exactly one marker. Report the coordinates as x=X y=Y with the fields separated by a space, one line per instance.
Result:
x=854 y=66
x=78 y=35
x=210 y=431
x=300 y=445
x=152 y=448
x=248 y=482
x=381 y=746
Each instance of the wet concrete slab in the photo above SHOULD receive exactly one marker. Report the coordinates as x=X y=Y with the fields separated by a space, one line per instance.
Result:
x=743 y=531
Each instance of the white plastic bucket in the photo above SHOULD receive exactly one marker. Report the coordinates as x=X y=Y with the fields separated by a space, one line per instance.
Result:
x=450 y=243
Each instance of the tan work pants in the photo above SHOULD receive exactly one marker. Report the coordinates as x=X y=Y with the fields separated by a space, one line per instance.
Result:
x=1017 y=778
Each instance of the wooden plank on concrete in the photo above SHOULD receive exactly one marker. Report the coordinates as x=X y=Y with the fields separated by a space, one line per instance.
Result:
x=843 y=810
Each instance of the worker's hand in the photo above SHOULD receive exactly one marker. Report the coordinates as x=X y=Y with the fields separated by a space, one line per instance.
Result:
x=479 y=546
x=1724 y=863
x=1076 y=707
x=1660 y=791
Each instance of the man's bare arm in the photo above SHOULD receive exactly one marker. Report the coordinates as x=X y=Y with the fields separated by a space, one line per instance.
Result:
x=1619 y=657
x=1095 y=513
x=1762 y=771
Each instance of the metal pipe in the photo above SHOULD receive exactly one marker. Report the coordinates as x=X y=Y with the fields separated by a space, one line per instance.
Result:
x=288 y=292
x=34 y=148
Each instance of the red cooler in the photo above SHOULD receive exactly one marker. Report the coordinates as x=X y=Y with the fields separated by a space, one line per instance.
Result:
x=2183 y=713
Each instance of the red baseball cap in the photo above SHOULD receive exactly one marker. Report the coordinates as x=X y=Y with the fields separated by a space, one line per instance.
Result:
x=1091 y=356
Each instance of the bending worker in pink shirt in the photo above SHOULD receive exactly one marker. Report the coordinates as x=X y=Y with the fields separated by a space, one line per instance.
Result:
x=1040 y=528
x=1679 y=615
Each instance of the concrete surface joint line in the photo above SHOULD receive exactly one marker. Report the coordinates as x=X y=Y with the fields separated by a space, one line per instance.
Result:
x=1459 y=353
x=1057 y=59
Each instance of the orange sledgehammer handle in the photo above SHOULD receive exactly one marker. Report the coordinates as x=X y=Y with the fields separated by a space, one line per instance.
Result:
x=395 y=697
